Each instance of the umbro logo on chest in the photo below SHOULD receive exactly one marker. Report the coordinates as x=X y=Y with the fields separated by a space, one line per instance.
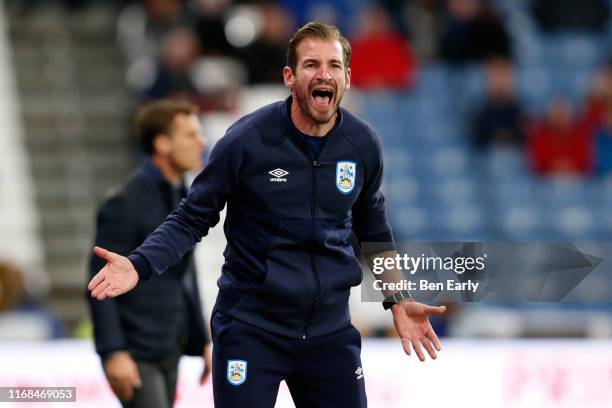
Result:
x=346 y=173
x=278 y=175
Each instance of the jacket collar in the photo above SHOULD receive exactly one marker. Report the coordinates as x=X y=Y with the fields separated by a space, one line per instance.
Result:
x=151 y=173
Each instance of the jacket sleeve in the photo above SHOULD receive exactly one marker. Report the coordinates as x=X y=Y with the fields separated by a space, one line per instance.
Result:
x=114 y=231
x=370 y=223
x=197 y=213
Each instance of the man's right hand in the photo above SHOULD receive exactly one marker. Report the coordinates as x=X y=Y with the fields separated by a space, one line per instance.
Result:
x=116 y=278
x=122 y=374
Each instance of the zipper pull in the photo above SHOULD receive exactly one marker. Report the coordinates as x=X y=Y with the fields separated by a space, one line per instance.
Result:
x=316 y=163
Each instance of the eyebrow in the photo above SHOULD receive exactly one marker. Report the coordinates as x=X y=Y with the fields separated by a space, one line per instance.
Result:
x=333 y=60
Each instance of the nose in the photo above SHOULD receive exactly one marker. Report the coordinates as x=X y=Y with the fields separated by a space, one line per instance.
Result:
x=323 y=73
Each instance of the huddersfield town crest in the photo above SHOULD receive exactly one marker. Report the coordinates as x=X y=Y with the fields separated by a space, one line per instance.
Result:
x=346 y=172
x=236 y=371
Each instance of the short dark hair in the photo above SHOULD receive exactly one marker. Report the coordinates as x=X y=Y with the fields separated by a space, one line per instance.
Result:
x=317 y=31
x=155 y=118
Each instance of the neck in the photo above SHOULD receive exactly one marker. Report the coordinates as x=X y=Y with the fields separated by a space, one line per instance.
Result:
x=306 y=125
x=169 y=172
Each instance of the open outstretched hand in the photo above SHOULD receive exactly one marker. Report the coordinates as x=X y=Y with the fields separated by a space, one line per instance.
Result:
x=116 y=278
x=413 y=327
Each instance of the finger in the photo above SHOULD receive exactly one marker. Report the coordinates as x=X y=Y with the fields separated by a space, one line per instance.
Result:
x=114 y=386
x=128 y=392
x=430 y=350
x=418 y=350
x=433 y=337
x=108 y=292
x=136 y=381
x=406 y=345
x=98 y=290
x=435 y=310
x=207 y=372
x=203 y=377
x=95 y=281
x=104 y=254
x=122 y=390
x=111 y=292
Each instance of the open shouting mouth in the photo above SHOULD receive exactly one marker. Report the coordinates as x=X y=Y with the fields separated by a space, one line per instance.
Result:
x=323 y=96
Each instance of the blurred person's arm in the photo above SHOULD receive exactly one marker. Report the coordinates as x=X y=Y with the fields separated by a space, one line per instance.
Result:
x=115 y=229
x=122 y=374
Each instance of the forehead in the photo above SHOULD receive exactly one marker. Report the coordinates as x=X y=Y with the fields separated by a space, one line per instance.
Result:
x=311 y=48
x=183 y=121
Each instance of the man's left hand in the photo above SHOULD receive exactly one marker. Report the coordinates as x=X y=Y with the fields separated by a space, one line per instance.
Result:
x=413 y=327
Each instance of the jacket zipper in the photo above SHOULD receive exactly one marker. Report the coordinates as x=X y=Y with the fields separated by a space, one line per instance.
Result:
x=313 y=205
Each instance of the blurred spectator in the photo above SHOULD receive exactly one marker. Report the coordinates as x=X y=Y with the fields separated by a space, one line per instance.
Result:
x=422 y=20
x=266 y=56
x=603 y=144
x=382 y=58
x=27 y=6
x=560 y=144
x=11 y=286
x=473 y=32
x=500 y=120
x=179 y=51
x=21 y=316
x=141 y=27
x=333 y=12
x=181 y=73
x=210 y=27
x=599 y=98
x=554 y=15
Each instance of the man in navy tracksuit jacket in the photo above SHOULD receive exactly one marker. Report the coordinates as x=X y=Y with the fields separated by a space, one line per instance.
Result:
x=301 y=179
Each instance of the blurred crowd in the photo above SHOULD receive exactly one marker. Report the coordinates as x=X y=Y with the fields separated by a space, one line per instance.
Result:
x=568 y=139
x=206 y=50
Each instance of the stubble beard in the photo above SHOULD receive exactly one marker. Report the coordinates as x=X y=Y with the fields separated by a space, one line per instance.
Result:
x=305 y=103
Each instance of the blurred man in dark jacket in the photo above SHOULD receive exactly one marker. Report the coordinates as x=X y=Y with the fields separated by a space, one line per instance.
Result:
x=141 y=336
x=499 y=122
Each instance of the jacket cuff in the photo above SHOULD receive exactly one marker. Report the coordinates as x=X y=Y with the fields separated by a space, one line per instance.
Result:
x=105 y=355
x=142 y=266
x=383 y=237
x=384 y=242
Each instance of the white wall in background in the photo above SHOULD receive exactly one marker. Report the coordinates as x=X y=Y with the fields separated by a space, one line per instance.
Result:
x=20 y=242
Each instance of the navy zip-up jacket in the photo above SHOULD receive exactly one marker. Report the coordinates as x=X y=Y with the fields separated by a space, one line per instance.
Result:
x=290 y=260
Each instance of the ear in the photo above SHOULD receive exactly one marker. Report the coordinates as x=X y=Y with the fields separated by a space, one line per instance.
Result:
x=348 y=78
x=161 y=145
x=288 y=77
